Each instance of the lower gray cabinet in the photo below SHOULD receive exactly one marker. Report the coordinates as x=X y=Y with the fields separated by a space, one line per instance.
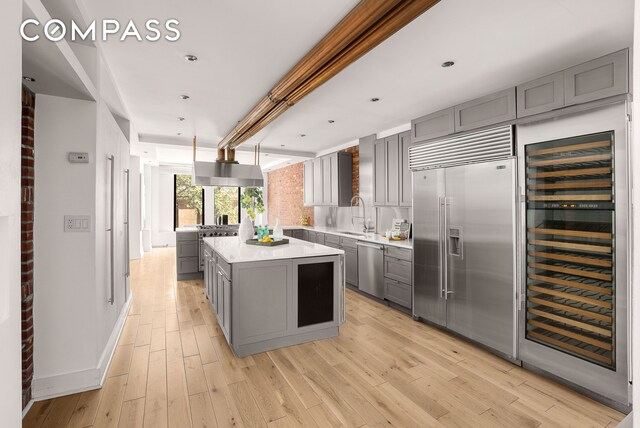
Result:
x=351 y=265
x=187 y=248
x=397 y=292
x=186 y=265
x=398 y=280
x=320 y=238
x=311 y=236
x=298 y=234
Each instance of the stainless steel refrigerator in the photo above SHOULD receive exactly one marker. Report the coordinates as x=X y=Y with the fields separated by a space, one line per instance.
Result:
x=464 y=214
x=575 y=185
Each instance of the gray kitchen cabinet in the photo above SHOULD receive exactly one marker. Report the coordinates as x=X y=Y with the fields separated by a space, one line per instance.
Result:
x=351 y=265
x=433 y=125
x=308 y=183
x=392 y=145
x=187 y=248
x=600 y=78
x=541 y=95
x=187 y=255
x=332 y=240
x=332 y=180
x=305 y=235
x=397 y=292
x=320 y=238
x=288 y=232
x=398 y=281
x=298 y=234
x=406 y=177
x=485 y=111
x=311 y=236
x=399 y=270
x=327 y=176
x=226 y=302
x=388 y=171
x=187 y=265
x=379 y=173
x=318 y=194
x=259 y=312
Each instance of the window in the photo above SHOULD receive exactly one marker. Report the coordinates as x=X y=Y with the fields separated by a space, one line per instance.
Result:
x=188 y=202
x=227 y=202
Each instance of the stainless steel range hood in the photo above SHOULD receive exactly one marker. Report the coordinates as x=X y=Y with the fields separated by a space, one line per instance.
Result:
x=222 y=174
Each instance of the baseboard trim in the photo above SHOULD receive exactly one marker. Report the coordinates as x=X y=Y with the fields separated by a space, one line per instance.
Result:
x=84 y=380
x=27 y=408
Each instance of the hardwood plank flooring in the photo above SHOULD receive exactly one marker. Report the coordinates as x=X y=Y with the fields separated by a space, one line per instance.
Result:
x=173 y=368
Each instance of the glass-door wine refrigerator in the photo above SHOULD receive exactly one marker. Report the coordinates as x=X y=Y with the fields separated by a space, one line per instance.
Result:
x=574 y=294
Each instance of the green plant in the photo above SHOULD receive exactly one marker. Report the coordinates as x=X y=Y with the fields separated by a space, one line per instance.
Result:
x=252 y=201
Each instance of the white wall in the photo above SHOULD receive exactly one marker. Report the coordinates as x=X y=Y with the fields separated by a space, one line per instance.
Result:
x=64 y=262
x=10 y=112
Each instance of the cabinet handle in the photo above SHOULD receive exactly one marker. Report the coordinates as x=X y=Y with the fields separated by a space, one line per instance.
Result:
x=112 y=297
x=127 y=267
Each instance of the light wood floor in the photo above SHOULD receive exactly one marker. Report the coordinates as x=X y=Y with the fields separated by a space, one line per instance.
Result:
x=173 y=368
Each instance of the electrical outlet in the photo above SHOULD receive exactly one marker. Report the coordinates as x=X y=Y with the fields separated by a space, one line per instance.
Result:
x=78 y=157
x=77 y=223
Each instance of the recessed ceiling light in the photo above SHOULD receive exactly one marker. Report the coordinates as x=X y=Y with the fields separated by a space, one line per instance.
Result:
x=303 y=135
x=184 y=97
x=375 y=100
x=281 y=145
x=266 y=154
x=191 y=58
x=181 y=119
x=331 y=121
x=29 y=79
x=179 y=133
x=146 y=153
x=447 y=64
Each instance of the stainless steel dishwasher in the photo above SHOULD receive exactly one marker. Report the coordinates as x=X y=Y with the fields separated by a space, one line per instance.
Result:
x=371 y=268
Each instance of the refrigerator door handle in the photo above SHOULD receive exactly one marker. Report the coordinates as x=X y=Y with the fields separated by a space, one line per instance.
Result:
x=441 y=245
x=445 y=247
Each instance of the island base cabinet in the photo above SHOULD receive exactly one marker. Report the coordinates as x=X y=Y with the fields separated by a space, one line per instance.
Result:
x=270 y=303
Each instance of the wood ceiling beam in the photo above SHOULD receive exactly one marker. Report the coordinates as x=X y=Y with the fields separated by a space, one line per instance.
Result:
x=365 y=27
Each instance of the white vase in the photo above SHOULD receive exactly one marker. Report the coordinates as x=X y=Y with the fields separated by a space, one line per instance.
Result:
x=278 y=233
x=246 y=229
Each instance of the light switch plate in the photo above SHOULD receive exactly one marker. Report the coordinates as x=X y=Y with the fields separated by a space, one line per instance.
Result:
x=78 y=157
x=77 y=223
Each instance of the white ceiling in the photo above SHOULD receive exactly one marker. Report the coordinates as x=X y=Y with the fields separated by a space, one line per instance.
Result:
x=246 y=46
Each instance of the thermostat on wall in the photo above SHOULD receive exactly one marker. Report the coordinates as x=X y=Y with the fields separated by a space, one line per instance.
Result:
x=78 y=157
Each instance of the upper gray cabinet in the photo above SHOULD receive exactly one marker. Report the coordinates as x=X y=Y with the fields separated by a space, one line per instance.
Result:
x=603 y=77
x=405 y=173
x=328 y=180
x=318 y=194
x=485 y=111
x=541 y=95
x=308 y=183
x=433 y=125
x=379 y=173
x=391 y=174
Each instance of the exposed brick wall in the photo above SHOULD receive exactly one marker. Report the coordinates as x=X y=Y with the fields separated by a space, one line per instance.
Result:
x=28 y=152
x=286 y=196
x=286 y=191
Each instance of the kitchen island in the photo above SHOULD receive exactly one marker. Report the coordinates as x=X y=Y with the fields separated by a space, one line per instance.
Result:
x=270 y=297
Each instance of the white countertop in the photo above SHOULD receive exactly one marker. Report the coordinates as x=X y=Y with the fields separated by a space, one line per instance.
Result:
x=366 y=237
x=234 y=251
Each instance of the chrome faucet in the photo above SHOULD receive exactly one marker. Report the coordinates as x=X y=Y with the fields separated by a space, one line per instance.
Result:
x=365 y=228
